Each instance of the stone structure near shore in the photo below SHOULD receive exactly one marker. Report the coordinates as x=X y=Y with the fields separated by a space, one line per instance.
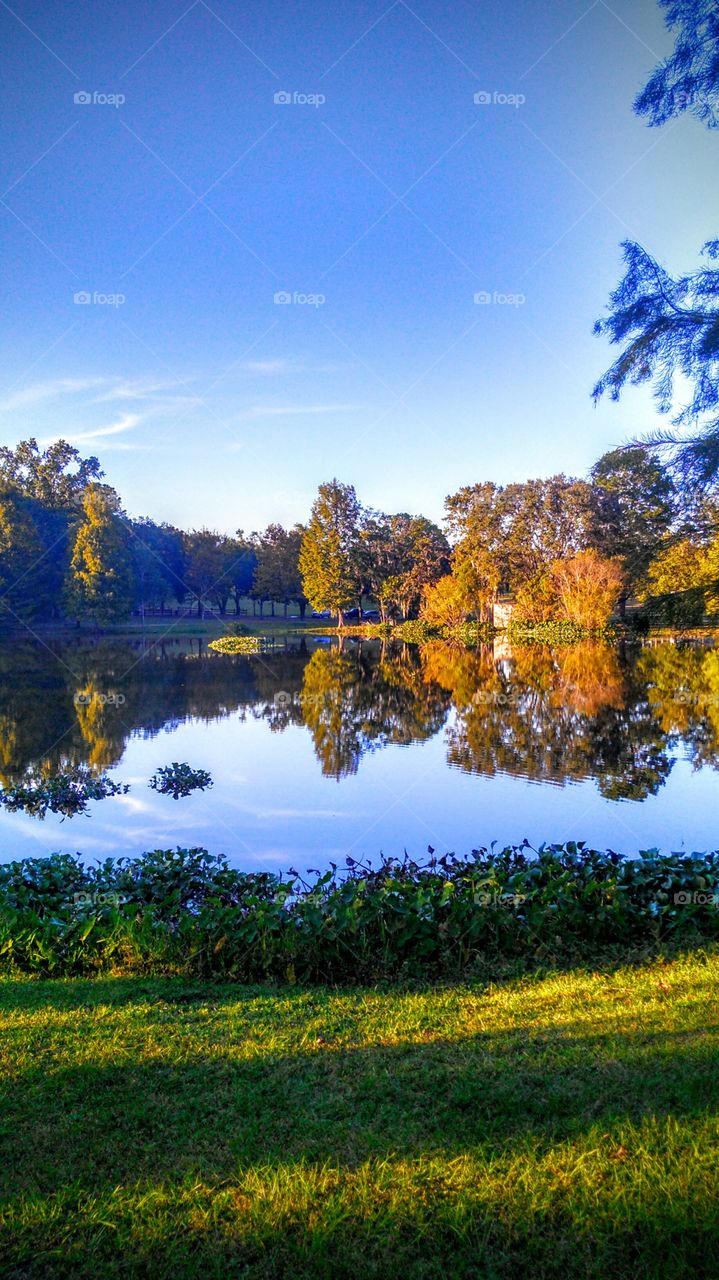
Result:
x=502 y=611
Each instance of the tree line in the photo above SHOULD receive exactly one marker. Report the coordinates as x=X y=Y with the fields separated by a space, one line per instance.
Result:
x=68 y=550
x=559 y=548
x=643 y=525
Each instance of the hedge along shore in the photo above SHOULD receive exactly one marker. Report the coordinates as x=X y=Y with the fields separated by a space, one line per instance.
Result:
x=486 y=914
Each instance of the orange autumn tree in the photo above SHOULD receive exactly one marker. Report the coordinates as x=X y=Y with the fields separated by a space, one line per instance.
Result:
x=587 y=588
x=444 y=603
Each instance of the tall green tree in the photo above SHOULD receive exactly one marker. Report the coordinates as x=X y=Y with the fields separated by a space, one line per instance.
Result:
x=330 y=561
x=474 y=521
x=277 y=572
x=51 y=483
x=243 y=564
x=401 y=555
x=158 y=563
x=507 y=536
x=100 y=583
x=209 y=560
x=23 y=564
x=635 y=508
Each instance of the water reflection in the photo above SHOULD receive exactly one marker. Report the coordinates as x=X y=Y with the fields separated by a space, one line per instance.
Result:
x=620 y=715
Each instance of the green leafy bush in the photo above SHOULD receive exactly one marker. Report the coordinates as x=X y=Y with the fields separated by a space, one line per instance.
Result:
x=415 y=631
x=188 y=911
x=551 y=632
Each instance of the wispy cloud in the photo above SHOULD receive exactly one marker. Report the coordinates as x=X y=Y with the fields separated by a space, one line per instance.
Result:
x=164 y=393
x=297 y=410
x=125 y=422
x=42 y=391
x=65 y=408
x=281 y=366
x=269 y=366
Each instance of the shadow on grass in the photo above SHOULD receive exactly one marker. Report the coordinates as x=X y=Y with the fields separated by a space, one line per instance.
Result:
x=76 y=992
x=214 y=1113
x=65 y=994
x=497 y=1154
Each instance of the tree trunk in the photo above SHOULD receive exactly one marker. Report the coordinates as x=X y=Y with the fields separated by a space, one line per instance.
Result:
x=340 y=619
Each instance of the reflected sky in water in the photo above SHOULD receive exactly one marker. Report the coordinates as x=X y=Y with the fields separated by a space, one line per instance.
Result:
x=319 y=753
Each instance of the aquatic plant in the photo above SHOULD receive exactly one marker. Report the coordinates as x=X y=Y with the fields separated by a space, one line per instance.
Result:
x=484 y=914
x=237 y=644
x=178 y=780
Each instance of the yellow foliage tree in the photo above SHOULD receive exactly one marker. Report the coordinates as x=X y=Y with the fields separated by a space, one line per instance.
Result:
x=587 y=588
x=444 y=603
x=99 y=584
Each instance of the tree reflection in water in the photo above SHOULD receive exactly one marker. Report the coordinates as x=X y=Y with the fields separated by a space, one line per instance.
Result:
x=619 y=714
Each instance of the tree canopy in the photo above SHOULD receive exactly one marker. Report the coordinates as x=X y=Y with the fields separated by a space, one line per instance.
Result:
x=668 y=326
x=689 y=79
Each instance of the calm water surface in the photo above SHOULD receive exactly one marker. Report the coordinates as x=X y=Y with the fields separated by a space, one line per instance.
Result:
x=319 y=752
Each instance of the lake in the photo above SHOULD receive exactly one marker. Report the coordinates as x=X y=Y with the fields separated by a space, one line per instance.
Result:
x=321 y=751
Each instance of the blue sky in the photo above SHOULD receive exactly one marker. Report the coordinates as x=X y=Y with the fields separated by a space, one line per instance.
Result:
x=382 y=210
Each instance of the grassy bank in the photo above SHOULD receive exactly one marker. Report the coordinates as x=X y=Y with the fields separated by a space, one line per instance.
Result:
x=561 y=1126
x=177 y=628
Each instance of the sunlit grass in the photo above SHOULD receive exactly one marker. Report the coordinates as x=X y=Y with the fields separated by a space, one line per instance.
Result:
x=557 y=1126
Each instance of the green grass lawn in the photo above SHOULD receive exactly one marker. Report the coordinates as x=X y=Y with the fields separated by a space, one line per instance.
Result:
x=560 y=1126
x=177 y=628
x=207 y=626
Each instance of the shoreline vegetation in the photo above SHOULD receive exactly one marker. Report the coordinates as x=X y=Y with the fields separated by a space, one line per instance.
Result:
x=413 y=632
x=487 y=914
